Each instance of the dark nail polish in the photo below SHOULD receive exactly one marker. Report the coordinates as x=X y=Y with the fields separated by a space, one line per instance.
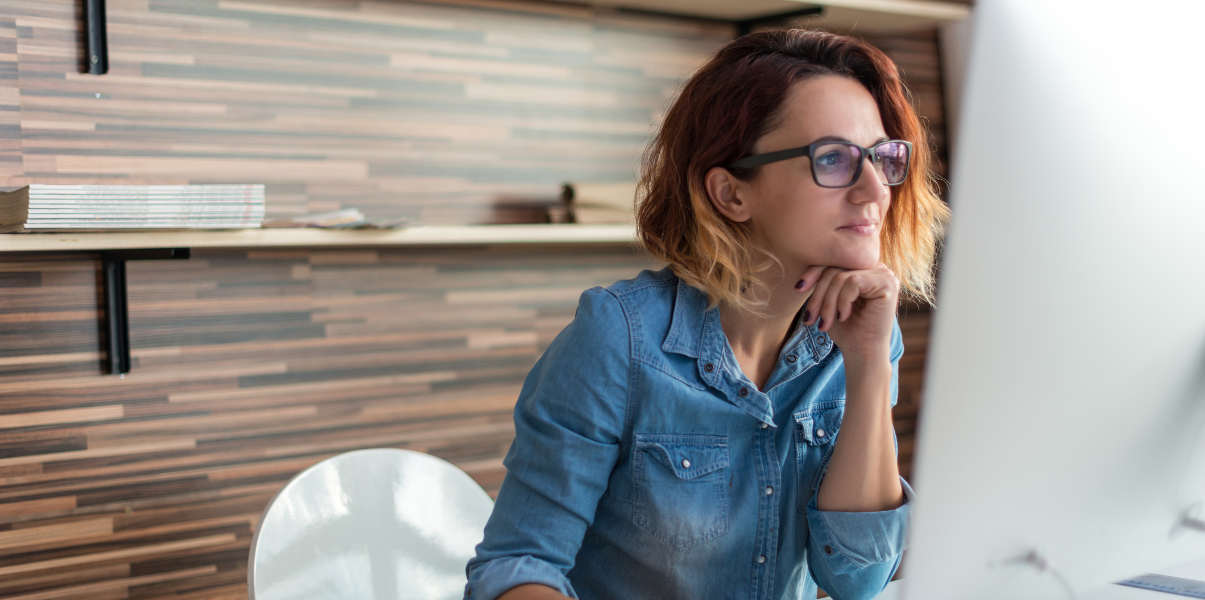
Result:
x=801 y=284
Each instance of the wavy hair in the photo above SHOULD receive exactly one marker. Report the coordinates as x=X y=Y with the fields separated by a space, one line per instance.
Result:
x=720 y=113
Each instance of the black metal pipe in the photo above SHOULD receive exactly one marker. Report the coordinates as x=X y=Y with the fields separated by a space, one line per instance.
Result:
x=117 y=314
x=98 y=43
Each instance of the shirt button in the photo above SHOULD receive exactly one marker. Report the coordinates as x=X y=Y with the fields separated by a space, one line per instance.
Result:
x=819 y=433
x=764 y=425
x=686 y=463
x=761 y=560
x=828 y=549
x=709 y=367
x=769 y=490
x=792 y=358
x=744 y=392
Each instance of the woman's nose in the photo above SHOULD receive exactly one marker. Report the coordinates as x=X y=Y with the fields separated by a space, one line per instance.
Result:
x=871 y=184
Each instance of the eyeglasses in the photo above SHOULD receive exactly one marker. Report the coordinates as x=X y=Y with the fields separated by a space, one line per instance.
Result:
x=838 y=164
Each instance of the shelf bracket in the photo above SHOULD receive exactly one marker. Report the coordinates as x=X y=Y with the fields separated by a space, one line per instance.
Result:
x=98 y=38
x=117 y=317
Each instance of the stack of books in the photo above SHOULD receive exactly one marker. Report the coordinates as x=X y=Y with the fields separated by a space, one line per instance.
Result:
x=600 y=203
x=43 y=207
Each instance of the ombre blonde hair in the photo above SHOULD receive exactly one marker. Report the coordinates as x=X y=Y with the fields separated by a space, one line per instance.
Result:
x=721 y=112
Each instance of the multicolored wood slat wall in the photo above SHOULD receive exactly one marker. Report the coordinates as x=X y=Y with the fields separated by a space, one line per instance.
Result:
x=432 y=112
x=250 y=365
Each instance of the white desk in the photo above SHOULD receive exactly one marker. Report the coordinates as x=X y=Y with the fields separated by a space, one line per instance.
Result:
x=1112 y=591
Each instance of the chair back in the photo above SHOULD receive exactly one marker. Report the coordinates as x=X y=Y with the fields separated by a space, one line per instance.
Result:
x=376 y=524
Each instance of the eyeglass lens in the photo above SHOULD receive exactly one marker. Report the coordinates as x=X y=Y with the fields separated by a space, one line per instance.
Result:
x=836 y=164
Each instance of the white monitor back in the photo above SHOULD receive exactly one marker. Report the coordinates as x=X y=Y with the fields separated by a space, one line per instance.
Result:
x=1064 y=400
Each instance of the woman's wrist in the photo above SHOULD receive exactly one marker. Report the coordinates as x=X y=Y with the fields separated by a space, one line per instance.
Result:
x=867 y=359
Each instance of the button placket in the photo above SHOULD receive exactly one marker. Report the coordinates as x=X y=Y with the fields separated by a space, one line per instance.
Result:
x=767 y=510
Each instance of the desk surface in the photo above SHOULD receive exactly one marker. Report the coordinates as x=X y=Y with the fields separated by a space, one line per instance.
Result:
x=1112 y=591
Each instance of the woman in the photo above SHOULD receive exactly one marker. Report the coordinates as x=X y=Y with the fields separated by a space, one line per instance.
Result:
x=679 y=438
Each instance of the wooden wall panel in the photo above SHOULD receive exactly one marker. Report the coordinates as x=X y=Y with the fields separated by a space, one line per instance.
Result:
x=10 y=100
x=434 y=112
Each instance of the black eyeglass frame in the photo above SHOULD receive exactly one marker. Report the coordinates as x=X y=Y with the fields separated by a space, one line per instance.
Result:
x=757 y=160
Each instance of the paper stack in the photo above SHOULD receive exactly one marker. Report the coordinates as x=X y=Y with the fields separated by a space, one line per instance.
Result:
x=43 y=207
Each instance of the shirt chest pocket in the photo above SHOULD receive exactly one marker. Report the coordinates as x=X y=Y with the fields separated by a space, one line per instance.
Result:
x=815 y=438
x=681 y=494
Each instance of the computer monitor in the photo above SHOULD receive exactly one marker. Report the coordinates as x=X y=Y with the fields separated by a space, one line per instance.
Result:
x=1063 y=417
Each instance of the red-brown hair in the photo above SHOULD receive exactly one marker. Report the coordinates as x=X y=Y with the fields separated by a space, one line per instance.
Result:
x=721 y=112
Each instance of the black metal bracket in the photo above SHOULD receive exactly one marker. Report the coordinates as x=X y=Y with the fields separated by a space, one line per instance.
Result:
x=748 y=25
x=98 y=38
x=116 y=309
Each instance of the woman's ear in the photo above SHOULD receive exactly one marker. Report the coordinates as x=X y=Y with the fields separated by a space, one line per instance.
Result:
x=725 y=192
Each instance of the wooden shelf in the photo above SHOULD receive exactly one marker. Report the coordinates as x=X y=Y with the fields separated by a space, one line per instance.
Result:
x=430 y=235
x=860 y=16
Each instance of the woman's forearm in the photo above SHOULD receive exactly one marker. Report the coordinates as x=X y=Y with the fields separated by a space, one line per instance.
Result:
x=863 y=473
x=532 y=591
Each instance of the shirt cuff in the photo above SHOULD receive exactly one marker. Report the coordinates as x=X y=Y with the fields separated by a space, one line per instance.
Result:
x=493 y=578
x=860 y=538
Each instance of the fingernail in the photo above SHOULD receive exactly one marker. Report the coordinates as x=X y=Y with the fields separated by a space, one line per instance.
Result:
x=801 y=284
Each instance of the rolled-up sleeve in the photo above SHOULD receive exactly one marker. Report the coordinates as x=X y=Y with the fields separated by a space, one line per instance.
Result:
x=853 y=555
x=568 y=423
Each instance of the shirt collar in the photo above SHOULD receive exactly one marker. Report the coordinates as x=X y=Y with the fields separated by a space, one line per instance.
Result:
x=693 y=324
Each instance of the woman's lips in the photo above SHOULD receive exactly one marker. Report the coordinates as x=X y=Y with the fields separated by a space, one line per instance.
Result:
x=859 y=229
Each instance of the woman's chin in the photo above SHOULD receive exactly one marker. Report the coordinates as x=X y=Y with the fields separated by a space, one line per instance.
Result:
x=857 y=262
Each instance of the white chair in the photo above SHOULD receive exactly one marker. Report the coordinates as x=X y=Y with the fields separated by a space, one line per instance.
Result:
x=371 y=524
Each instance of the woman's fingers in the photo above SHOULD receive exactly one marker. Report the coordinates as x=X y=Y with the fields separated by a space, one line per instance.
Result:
x=814 y=304
x=846 y=297
x=828 y=306
x=809 y=277
x=836 y=291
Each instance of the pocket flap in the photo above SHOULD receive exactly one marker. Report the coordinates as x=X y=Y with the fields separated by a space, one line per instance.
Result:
x=819 y=427
x=687 y=458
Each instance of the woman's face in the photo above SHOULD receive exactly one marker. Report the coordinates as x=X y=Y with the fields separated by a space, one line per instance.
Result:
x=799 y=221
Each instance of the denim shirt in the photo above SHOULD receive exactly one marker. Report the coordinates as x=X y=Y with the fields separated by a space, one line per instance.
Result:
x=646 y=464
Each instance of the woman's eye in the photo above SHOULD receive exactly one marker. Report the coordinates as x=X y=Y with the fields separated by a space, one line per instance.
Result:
x=829 y=159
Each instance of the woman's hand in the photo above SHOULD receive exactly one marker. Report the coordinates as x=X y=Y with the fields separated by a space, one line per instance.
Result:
x=855 y=307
